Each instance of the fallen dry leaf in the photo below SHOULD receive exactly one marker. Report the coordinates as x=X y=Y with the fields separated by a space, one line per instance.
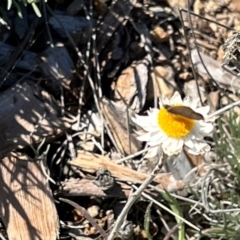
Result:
x=215 y=69
x=130 y=87
x=214 y=100
x=190 y=89
x=195 y=161
x=117 y=120
x=165 y=83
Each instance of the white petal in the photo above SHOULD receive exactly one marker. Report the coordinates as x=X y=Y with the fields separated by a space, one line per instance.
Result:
x=141 y=120
x=164 y=101
x=199 y=148
x=176 y=99
x=146 y=122
x=172 y=151
x=167 y=143
x=196 y=132
x=172 y=146
x=206 y=147
x=145 y=137
x=157 y=139
x=155 y=136
x=154 y=111
x=152 y=137
x=187 y=100
x=176 y=147
x=152 y=152
x=154 y=117
x=206 y=128
x=179 y=144
x=190 y=102
x=161 y=104
x=201 y=129
x=189 y=143
x=203 y=110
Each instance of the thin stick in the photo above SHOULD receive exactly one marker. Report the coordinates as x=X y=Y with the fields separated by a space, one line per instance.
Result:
x=189 y=50
x=171 y=212
x=172 y=230
x=224 y=109
x=134 y=155
x=81 y=59
x=86 y=215
x=133 y=197
x=59 y=76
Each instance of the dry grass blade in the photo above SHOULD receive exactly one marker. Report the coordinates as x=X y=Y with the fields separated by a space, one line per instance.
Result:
x=11 y=63
x=119 y=12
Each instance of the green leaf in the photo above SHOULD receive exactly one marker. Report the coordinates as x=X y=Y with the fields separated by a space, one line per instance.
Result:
x=147 y=220
x=176 y=209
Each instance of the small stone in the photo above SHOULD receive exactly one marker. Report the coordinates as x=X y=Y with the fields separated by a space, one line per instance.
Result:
x=93 y=211
x=159 y=35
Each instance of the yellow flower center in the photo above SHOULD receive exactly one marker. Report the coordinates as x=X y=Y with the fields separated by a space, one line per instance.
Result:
x=175 y=126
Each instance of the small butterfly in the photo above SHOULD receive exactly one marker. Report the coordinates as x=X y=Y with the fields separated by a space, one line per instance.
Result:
x=184 y=111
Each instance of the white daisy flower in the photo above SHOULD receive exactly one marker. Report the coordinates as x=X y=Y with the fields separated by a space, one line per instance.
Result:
x=177 y=123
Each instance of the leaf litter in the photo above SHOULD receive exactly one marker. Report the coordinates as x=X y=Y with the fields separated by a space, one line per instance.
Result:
x=70 y=83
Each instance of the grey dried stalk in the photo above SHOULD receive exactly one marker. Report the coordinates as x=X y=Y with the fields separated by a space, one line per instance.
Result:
x=231 y=50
